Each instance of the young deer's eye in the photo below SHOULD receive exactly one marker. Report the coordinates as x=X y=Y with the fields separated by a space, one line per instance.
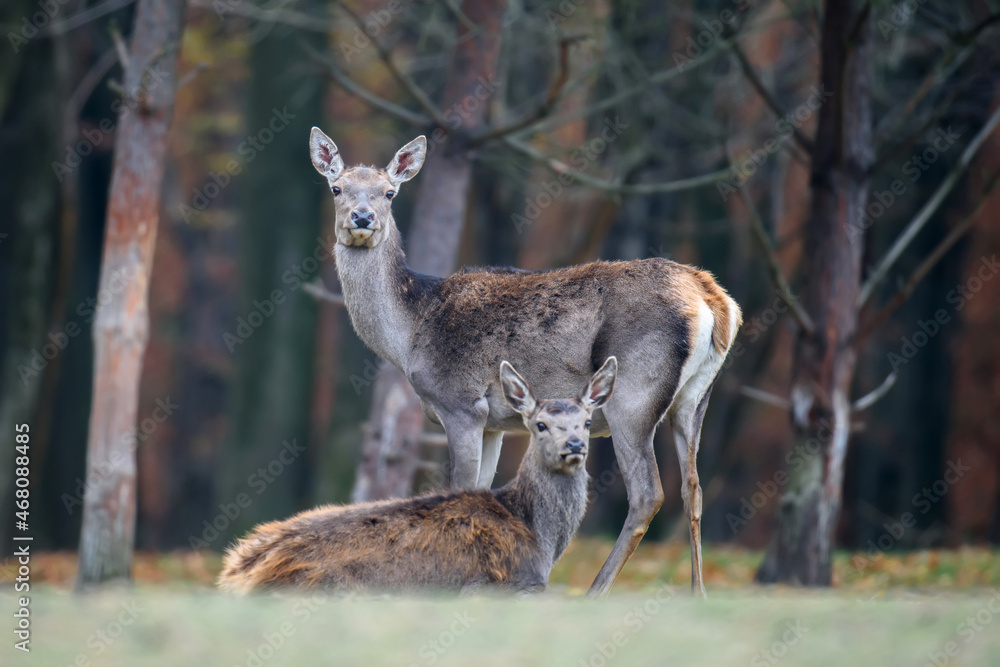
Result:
x=336 y=190
x=541 y=426
x=586 y=424
x=390 y=194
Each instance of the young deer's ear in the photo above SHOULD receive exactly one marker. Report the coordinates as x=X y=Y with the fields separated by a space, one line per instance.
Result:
x=599 y=389
x=325 y=155
x=407 y=161
x=516 y=390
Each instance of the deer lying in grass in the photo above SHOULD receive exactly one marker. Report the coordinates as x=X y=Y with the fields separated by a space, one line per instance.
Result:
x=510 y=537
x=669 y=325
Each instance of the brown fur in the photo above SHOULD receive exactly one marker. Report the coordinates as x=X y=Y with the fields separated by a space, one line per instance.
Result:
x=718 y=302
x=510 y=537
x=448 y=334
x=441 y=541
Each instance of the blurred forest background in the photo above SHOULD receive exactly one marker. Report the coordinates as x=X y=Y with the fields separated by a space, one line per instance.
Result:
x=668 y=119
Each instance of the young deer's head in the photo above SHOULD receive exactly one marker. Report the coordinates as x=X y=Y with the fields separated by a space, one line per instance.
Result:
x=363 y=195
x=559 y=428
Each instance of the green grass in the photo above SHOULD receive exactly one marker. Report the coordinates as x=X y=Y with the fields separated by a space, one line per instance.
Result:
x=651 y=627
x=904 y=609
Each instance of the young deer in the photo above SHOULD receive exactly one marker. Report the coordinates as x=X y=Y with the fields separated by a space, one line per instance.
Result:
x=669 y=325
x=510 y=537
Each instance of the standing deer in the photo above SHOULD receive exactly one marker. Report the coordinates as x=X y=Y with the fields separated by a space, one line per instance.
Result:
x=670 y=326
x=510 y=537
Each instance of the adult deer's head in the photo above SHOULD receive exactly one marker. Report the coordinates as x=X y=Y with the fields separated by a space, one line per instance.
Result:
x=559 y=428
x=363 y=195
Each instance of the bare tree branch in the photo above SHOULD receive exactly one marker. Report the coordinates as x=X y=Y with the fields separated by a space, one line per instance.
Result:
x=908 y=141
x=434 y=439
x=774 y=267
x=191 y=74
x=751 y=74
x=468 y=23
x=765 y=397
x=931 y=260
x=970 y=35
x=84 y=16
x=84 y=90
x=608 y=186
x=289 y=17
x=408 y=84
x=373 y=100
x=874 y=396
x=655 y=79
x=545 y=108
x=319 y=292
x=120 y=48
x=928 y=209
x=946 y=66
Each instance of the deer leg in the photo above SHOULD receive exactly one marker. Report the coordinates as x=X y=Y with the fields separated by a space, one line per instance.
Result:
x=492 y=442
x=465 y=443
x=687 y=421
x=633 y=442
x=687 y=455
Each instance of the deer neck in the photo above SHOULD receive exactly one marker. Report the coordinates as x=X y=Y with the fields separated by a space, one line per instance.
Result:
x=550 y=504
x=383 y=296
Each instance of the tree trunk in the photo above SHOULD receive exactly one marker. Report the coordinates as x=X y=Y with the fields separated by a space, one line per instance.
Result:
x=121 y=325
x=802 y=547
x=439 y=216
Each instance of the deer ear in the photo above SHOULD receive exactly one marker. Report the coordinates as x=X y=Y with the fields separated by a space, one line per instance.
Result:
x=516 y=390
x=407 y=161
x=599 y=389
x=325 y=155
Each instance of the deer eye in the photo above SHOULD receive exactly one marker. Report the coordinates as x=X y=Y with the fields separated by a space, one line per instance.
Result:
x=586 y=424
x=336 y=191
x=541 y=427
x=390 y=194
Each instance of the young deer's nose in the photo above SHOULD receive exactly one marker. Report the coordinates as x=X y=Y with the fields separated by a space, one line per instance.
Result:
x=575 y=445
x=363 y=218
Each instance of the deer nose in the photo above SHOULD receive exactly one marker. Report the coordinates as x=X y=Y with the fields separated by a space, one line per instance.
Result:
x=362 y=218
x=575 y=445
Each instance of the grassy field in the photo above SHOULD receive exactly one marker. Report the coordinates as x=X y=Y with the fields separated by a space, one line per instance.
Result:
x=908 y=610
